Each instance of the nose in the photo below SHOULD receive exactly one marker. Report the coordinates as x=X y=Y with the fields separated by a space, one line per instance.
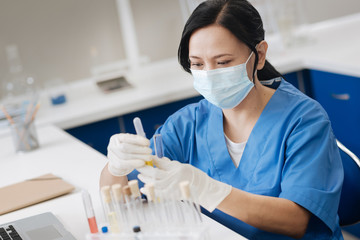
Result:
x=208 y=66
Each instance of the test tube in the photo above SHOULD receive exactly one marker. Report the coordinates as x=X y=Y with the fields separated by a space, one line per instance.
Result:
x=158 y=144
x=131 y=211
x=159 y=214
x=118 y=202
x=164 y=209
x=109 y=210
x=140 y=131
x=136 y=196
x=134 y=188
x=89 y=212
x=150 y=195
x=170 y=207
x=193 y=207
x=180 y=219
x=174 y=212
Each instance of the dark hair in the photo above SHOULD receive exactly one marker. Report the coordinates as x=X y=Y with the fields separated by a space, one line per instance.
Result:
x=239 y=17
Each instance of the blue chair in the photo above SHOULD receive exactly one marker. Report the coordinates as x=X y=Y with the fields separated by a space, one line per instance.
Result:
x=349 y=207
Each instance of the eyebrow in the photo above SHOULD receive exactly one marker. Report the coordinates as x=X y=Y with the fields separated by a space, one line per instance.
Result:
x=217 y=56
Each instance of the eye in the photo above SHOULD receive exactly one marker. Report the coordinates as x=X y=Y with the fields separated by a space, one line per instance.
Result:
x=195 y=65
x=224 y=62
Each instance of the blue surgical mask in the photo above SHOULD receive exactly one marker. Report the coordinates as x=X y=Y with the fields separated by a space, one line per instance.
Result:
x=224 y=87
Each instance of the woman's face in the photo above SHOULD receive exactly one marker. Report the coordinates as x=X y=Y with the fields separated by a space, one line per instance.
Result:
x=214 y=47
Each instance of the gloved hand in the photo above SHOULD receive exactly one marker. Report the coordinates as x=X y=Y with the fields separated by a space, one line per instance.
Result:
x=206 y=191
x=127 y=152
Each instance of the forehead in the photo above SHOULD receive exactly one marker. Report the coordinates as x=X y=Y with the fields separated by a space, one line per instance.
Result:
x=214 y=40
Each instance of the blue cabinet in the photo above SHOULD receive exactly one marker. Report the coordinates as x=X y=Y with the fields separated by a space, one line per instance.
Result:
x=339 y=95
x=97 y=134
x=300 y=80
x=152 y=118
x=292 y=78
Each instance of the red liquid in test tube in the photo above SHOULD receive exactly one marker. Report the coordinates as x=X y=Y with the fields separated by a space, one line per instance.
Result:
x=89 y=212
x=93 y=225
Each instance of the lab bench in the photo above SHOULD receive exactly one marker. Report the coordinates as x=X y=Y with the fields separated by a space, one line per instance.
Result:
x=76 y=163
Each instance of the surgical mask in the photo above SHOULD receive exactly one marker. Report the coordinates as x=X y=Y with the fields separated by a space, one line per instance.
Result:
x=224 y=87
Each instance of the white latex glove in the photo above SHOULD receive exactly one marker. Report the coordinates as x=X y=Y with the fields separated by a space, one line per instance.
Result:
x=127 y=152
x=206 y=191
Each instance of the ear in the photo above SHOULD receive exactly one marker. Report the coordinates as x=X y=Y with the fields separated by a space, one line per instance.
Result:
x=261 y=49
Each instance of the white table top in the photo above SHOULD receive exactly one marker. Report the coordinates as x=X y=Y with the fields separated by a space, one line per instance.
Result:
x=76 y=163
x=331 y=46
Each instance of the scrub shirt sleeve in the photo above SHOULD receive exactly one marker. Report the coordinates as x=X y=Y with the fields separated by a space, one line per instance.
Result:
x=312 y=175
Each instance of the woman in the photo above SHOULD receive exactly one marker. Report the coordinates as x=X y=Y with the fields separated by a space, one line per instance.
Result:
x=260 y=155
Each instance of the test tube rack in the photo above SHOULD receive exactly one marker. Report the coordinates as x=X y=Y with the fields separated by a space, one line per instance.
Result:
x=128 y=216
x=198 y=234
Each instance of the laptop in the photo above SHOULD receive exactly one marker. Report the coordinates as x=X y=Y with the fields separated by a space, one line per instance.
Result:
x=43 y=226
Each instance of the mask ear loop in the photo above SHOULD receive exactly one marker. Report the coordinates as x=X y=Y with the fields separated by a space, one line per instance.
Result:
x=255 y=72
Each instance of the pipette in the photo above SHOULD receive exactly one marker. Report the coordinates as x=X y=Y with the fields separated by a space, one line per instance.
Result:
x=140 y=131
x=89 y=212
x=138 y=127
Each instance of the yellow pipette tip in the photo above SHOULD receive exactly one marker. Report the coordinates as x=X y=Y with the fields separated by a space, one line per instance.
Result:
x=149 y=163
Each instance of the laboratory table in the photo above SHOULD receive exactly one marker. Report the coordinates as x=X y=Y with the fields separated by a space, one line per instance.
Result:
x=78 y=164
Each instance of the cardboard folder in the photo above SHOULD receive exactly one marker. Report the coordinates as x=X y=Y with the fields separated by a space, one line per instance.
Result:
x=32 y=191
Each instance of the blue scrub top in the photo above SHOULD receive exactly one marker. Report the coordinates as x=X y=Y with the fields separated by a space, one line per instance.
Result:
x=291 y=153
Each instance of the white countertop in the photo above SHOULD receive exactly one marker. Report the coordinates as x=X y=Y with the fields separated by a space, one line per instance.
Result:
x=331 y=46
x=152 y=86
x=76 y=163
x=64 y=156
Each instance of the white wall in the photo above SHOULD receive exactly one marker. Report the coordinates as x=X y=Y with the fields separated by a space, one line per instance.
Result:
x=319 y=10
x=55 y=37
x=159 y=26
